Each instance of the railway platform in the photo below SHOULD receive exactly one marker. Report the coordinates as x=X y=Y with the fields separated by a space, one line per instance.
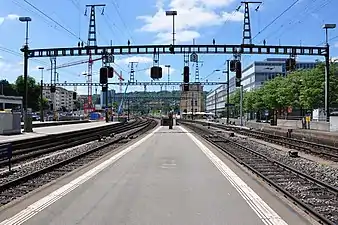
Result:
x=55 y=123
x=48 y=130
x=166 y=177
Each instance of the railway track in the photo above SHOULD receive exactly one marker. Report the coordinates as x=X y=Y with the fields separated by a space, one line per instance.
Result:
x=39 y=146
x=324 y=151
x=313 y=196
x=20 y=186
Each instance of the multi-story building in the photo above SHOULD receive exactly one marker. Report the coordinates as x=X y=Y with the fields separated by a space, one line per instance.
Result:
x=193 y=100
x=253 y=76
x=111 y=94
x=63 y=98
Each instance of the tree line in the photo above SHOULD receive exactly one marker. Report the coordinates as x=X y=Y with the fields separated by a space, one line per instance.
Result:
x=301 y=89
x=17 y=89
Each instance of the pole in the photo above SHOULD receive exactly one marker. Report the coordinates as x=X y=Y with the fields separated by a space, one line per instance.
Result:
x=241 y=104
x=327 y=83
x=215 y=103
x=192 y=105
x=128 y=109
x=41 y=98
x=173 y=30
x=27 y=33
x=228 y=89
x=27 y=128
x=326 y=36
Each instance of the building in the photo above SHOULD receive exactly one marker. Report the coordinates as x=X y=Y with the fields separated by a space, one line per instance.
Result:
x=111 y=95
x=63 y=98
x=193 y=100
x=253 y=76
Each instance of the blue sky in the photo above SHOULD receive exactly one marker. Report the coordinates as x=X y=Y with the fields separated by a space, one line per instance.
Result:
x=144 y=22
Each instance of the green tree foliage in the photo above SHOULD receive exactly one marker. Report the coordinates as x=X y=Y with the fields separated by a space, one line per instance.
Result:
x=7 y=89
x=33 y=91
x=300 y=89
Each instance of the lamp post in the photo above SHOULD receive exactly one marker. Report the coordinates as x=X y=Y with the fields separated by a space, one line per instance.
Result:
x=168 y=66
x=173 y=14
x=327 y=70
x=27 y=128
x=41 y=95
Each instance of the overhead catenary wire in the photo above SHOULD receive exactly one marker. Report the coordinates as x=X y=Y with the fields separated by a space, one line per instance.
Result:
x=305 y=15
x=115 y=5
x=310 y=7
x=56 y=22
x=275 y=19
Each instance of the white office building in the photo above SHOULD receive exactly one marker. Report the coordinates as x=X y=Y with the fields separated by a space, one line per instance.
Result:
x=63 y=98
x=253 y=76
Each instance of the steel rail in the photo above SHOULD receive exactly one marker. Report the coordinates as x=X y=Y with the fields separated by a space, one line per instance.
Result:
x=72 y=141
x=231 y=148
x=324 y=151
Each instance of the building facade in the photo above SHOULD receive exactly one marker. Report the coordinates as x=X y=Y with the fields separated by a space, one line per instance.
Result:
x=253 y=76
x=63 y=98
x=193 y=100
x=111 y=95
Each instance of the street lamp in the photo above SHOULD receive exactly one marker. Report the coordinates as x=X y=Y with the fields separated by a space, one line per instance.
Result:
x=41 y=94
x=27 y=127
x=26 y=20
x=173 y=14
x=326 y=27
x=327 y=71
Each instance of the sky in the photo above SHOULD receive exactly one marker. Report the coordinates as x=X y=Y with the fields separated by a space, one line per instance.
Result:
x=62 y=23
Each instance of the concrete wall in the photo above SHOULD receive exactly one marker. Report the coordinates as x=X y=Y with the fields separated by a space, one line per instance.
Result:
x=317 y=136
x=284 y=124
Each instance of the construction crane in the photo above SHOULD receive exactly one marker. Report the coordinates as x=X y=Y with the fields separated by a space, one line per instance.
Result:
x=119 y=75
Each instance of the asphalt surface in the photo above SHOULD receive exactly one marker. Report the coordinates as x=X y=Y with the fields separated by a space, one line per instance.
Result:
x=165 y=180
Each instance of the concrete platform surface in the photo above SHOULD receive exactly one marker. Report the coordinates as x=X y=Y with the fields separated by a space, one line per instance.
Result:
x=44 y=131
x=168 y=177
x=55 y=123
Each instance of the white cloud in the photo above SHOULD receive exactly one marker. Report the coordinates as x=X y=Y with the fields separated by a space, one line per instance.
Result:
x=335 y=44
x=139 y=59
x=8 y=17
x=12 y=17
x=192 y=15
x=183 y=36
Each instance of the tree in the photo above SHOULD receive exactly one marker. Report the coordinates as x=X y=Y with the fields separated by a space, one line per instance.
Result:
x=7 y=89
x=44 y=102
x=303 y=89
x=33 y=91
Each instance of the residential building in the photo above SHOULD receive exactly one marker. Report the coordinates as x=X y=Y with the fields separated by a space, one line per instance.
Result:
x=253 y=76
x=63 y=98
x=192 y=100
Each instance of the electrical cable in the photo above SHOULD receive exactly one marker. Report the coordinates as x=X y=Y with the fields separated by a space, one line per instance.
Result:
x=274 y=20
x=60 y=25
x=313 y=10
x=119 y=14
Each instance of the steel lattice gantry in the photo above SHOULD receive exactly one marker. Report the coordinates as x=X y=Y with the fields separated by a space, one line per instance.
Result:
x=180 y=49
x=250 y=49
x=136 y=83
